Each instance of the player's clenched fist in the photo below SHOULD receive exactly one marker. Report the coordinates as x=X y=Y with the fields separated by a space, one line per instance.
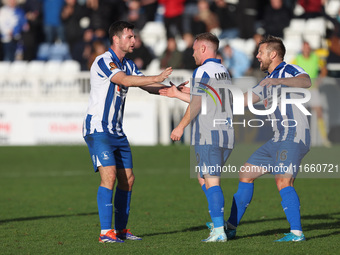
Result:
x=176 y=134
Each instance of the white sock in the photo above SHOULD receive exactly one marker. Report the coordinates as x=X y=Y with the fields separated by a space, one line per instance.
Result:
x=296 y=232
x=104 y=231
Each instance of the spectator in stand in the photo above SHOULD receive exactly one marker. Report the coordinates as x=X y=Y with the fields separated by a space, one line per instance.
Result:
x=255 y=69
x=104 y=12
x=135 y=14
x=316 y=69
x=150 y=9
x=71 y=15
x=188 y=62
x=98 y=48
x=334 y=47
x=35 y=35
x=12 y=24
x=52 y=23
x=206 y=17
x=227 y=16
x=171 y=56
x=312 y=8
x=141 y=55
x=276 y=18
x=190 y=11
x=247 y=11
x=101 y=35
x=1 y=51
x=235 y=61
x=173 y=17
x=83 y=49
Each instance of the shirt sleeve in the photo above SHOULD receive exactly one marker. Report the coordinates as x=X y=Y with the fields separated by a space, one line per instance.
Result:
x=134 y=69
x=106 y=67
x=258 y=90
x=199 y=82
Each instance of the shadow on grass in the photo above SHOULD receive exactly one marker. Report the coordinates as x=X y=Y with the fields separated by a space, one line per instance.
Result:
x=46 y=217
x=191 y=229
x=323 y=225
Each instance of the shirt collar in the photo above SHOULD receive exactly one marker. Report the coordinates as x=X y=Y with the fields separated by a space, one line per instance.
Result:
x=212 y=60
x=282 y=64
x=115 y=58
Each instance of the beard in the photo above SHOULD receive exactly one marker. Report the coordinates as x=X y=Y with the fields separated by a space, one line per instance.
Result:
x=264 y=66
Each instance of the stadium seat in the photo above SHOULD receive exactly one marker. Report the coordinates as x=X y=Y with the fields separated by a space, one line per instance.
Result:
x=35 y=67
x=297 y=25
x=59 y=51
x=249 y=48
x=293 y=45
x=153 y=35
x=314 y=39
x=35 y=72
x=332 y=7
x=50 y=78
x=52 y=67
x=70 y=66
x=316 y=25
x=18 y=68
x=56 y=51
x=68 y=76
x=4 y=67
x=237 y=43
x=17 y=80
x=43 y=51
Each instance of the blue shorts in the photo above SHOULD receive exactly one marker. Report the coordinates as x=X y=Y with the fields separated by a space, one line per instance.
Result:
x=109 y=150
x=279 y=157
x=211 y=159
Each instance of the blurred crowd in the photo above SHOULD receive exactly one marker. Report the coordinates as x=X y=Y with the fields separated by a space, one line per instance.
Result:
x=77 y=29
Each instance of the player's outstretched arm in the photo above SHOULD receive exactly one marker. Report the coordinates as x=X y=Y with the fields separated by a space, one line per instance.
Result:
x=157 y=87
x=300 y=81
x=181 y=87
x=173 y=91
x=138 y=81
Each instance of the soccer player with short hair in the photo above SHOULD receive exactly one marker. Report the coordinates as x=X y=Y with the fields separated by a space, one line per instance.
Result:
x=212 y=145
x=111 y=76
x=282 y=154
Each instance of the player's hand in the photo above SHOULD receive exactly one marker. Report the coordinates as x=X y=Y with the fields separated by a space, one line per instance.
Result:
x=169 y=91
x=176 y=134
x=269 y=82
x=163 y=75
x=181 y=87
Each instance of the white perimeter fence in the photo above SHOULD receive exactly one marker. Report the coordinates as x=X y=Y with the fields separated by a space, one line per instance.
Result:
x=45 y=103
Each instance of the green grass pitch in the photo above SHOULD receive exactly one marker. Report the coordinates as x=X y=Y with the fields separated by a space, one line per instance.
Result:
x=48 y=205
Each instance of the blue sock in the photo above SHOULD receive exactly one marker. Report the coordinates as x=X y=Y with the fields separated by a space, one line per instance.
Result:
x=241 y=200
x=205 y=190
x=291 y=206
x=122 y=208
x=104 y=201
x=216 y=205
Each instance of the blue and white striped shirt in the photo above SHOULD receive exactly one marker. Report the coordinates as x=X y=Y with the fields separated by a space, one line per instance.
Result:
x=294 y=125
x=208 y=81
x=107 y=99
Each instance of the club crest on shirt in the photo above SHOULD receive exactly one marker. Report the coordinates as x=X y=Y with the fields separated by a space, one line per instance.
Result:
x=112 y=66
